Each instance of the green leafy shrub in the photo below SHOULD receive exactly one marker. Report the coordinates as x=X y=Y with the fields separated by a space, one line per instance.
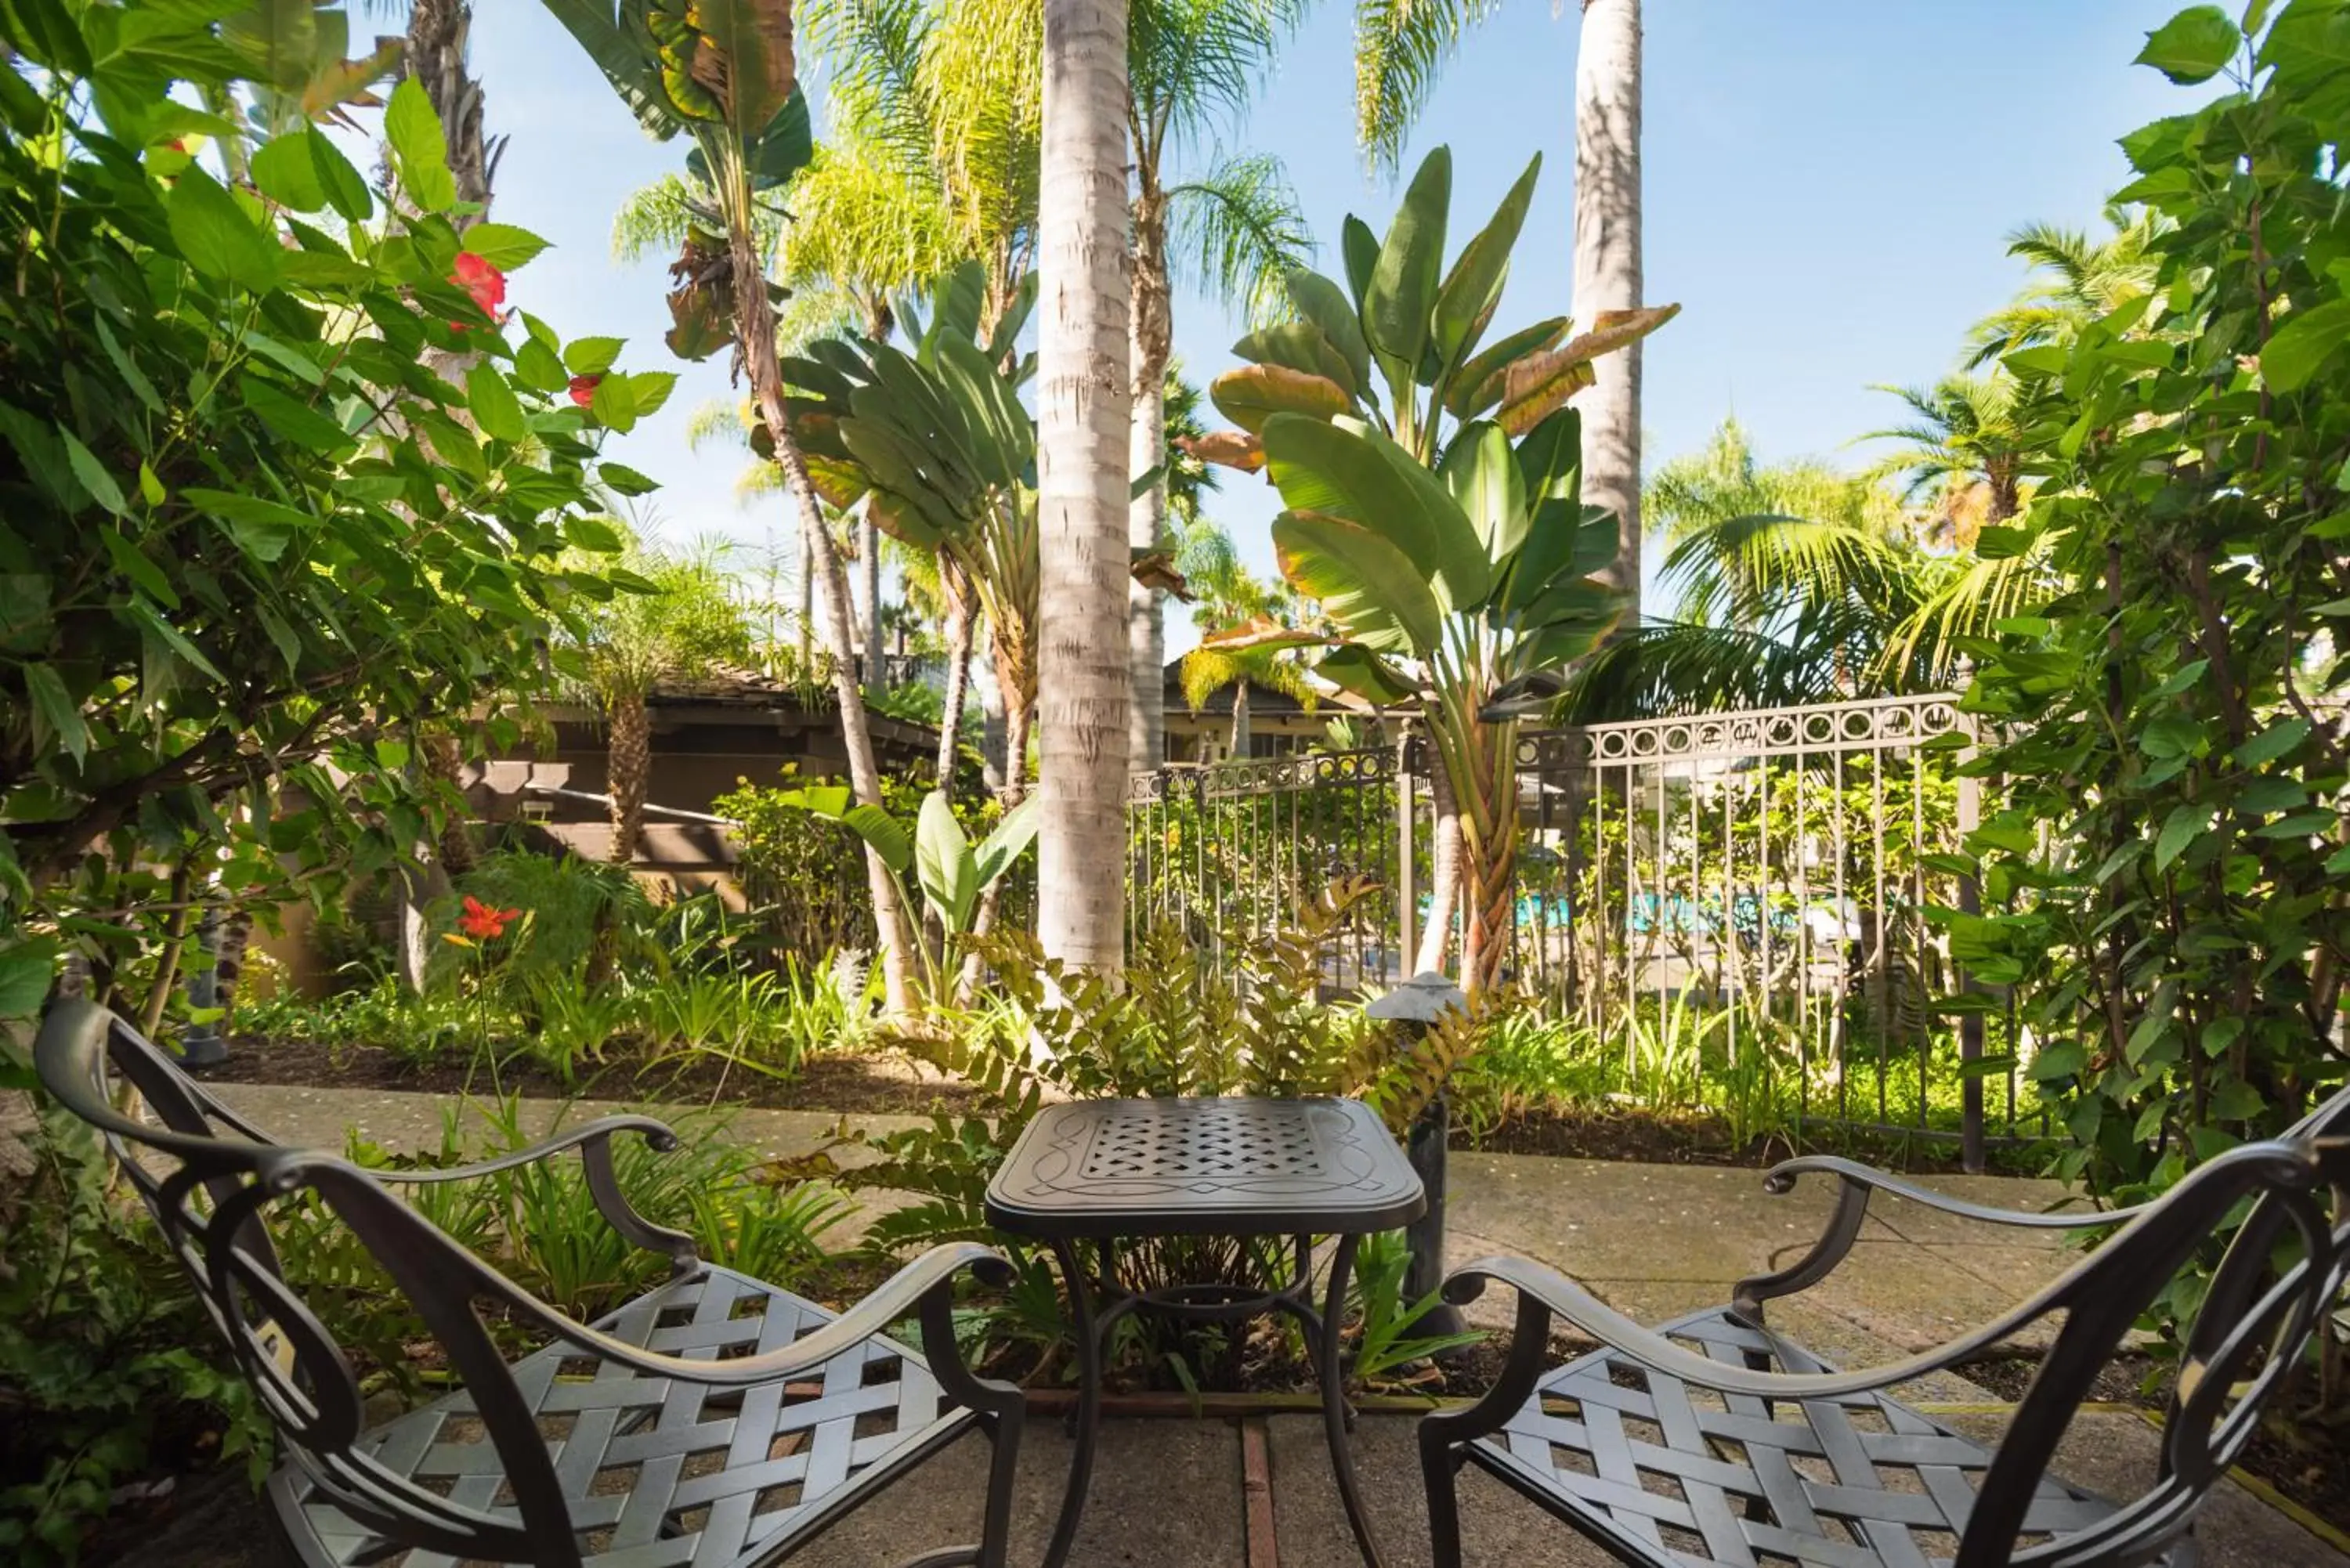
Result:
x=2167 y=879
x=254 y=537
x=104 y=1369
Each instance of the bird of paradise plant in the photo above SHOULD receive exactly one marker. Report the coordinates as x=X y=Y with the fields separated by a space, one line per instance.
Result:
x=1441 y=528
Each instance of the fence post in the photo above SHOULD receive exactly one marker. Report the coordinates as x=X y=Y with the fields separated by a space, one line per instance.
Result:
x=1406 y=870
x=1971 y=1024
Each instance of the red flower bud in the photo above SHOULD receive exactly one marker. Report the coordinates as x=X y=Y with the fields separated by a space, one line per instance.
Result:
x=583 y=388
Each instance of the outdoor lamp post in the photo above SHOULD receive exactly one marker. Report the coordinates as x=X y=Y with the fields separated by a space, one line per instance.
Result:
x=1413 y=1007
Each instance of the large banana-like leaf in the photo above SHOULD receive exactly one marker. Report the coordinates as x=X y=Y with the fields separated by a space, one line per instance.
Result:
x=1300 y=346
x=615 y=40
x=1346 y=469
x=1478 y=384
x=1015 y=316
x=1482 y=475
x=1539 y=383
x=1370 y=588
x=1357 y=668
x=1254 y=393
x=1360 y=248
x=1261 y=631
x=943 y=863
x=956 y=300
x=1549 y=458
x=1226 y=449
x=1402 y=292
x=1325 y=306
x=1474 y=288
x=1010 y=840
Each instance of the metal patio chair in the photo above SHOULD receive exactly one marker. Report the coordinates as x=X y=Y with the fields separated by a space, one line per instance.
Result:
x=716 y=1420
x=1713 y=1441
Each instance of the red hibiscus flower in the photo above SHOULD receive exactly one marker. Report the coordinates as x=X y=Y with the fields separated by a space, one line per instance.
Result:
x=485 y=283
x=583 y=388
x=484 y=922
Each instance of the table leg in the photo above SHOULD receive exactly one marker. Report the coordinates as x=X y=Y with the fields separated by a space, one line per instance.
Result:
x=1090 y=1393
x=1335 y=1413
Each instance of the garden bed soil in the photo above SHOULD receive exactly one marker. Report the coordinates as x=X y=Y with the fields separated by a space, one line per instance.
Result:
x=893 y=1084
x=877 y=1084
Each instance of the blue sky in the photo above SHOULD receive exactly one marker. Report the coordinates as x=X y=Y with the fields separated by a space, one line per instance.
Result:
x=1828 y=184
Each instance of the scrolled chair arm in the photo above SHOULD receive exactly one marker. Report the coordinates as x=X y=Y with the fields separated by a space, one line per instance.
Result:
x=660 y=1134
x=427 y=1263
x=593 y=1142
x=1857 y=1183
x=918 y=1289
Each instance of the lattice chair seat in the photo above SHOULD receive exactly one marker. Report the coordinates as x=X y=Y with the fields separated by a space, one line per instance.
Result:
x=658 y=1473
x=716 y=1422
x=1715 y=1443
x=1697 y=1479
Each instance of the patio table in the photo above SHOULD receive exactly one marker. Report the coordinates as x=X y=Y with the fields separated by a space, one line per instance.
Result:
x=1107 y=1171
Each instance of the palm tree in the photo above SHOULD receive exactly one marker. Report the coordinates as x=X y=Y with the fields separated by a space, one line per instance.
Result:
x=1963 y=455
x=1400 y=45
x=1085 y=398
x=2077 y=280
x=685 y=628
x=1234 y=228
x=945 y=99
x=1796 y=584
x=734 y=93
x=1227 y=594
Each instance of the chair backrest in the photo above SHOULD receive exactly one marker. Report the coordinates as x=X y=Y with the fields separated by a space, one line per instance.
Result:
x=209 y=1178
x=2252 y=1333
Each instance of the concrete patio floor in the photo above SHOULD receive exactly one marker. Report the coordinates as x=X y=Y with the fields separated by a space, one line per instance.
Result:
x=1651 y=1239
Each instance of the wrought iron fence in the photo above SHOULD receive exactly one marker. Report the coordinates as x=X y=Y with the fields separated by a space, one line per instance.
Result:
x=1239 y=846
x=1747 y=906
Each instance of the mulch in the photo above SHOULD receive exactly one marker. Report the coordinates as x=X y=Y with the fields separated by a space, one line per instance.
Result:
x=891 y=1083
x=858 y=1084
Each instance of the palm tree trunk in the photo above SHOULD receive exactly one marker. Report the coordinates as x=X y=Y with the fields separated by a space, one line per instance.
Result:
x=1146 y=607
x=629 y=764
x=807 y=598
x=1239 y=746
x=1444 y=878
x=1083 y=439
x=444 y=763
x=1608 y=267
x=868 y=550
x=959 y=642
x=435 y=58
x=754 y=328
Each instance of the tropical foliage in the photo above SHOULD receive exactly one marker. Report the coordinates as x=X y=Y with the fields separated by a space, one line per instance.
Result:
x=2169 y=869
x=252 y=541
x=1452 y=557
x=724 y=74
x=683 y=625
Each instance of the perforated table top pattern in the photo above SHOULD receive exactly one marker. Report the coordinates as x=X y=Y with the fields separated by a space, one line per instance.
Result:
x=1229 y=1167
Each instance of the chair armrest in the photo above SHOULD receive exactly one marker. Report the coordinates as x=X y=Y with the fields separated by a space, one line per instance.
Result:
x=922 y=1288
x=656 y=1133
x=1858 y=1182
x=593 y=1142
x=1781 y=1179
x=1544 y=1292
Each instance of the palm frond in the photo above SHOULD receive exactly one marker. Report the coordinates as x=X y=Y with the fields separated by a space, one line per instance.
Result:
x=1192 y=65
x=1237 y=231
x=1401 y=47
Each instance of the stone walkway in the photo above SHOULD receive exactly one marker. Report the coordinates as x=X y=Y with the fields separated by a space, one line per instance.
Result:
x=1652 y=1240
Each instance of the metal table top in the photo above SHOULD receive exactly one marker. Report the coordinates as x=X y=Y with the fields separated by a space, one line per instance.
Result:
x=1229 y=1167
